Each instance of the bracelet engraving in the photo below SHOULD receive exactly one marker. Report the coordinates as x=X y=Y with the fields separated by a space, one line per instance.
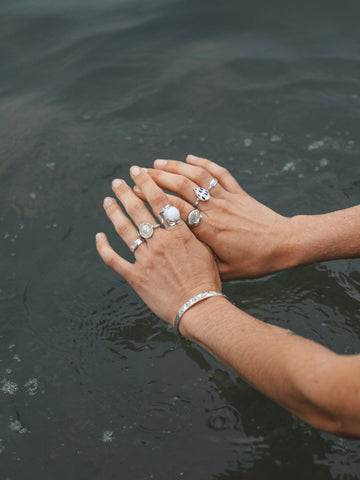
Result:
x=198 y=298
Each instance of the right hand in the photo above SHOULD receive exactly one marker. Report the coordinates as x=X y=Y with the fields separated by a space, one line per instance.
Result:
x=172 y=266
x=248 y=238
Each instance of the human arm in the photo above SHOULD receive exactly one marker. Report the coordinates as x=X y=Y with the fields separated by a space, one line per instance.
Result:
x=309 y=380
x=248 y=238
x=315 y=384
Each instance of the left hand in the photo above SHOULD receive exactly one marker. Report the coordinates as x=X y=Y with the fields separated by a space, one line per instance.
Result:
x=172 y=266
x=248 y=238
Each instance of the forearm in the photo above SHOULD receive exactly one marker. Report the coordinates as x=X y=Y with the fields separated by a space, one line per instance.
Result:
x=314 y=238
x=299 y=374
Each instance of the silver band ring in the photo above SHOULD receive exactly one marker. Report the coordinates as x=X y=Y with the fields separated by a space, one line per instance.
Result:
x=146 y=230
x=213 y=183
x=169 y=215
x=194 y=218
x=135 y=244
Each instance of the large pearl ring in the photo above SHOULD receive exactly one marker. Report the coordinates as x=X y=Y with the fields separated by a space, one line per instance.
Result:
x=146 y=230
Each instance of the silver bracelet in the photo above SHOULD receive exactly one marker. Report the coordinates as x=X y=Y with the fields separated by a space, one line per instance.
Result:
x=191 y=302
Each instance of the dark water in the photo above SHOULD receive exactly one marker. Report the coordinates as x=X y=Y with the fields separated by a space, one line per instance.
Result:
x=93 y=385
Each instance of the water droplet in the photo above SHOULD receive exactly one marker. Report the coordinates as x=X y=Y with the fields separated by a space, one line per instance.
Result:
x=31 y=386
x=315 y=145
x=289 y=167
x=275 y=138
x=108 y=436
x=323 y=162
x=50 y=165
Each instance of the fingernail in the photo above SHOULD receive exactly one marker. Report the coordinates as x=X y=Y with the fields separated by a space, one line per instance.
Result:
x=135 y=171
x=108 y=201
x=137 y=189
x=145 y=169
x=116 y=183
x=160 y=163
x=192 y=157
x=98 y=236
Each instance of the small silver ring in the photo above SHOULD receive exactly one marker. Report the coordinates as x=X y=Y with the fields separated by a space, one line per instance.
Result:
x=194 y=218
x=135 y=244
x=169 y=215
x=213 y=182
x=146 y=230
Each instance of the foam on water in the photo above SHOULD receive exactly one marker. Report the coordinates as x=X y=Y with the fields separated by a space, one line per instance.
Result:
x=9 y=387
x=16 y=426
x=31 y=386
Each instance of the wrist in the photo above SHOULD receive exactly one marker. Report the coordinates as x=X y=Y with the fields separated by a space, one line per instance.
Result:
x=330 y=236
x=202 y=318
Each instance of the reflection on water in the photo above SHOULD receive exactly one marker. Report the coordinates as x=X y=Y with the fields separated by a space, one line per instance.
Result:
x=93 y=385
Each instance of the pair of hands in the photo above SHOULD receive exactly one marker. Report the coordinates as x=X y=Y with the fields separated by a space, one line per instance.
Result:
x=177 y=263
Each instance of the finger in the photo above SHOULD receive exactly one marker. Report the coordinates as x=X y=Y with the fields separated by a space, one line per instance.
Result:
x=132 y=204
x=198 y=175
x=179 y=184
x=111 y=258
x=123 y=225
x=156 y=198
x=178 y=202
x=226 y=180
x=184 y=207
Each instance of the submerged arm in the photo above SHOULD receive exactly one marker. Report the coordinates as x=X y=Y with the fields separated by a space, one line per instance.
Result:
x=317 y=385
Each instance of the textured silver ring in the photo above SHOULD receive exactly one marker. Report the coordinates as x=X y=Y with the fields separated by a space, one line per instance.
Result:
x=135 y=244
x=146 y=230
x=194 y=218
x=202 y=195
x=169 y=215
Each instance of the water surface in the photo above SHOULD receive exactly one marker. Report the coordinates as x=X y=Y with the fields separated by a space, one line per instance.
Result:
x=93 y=385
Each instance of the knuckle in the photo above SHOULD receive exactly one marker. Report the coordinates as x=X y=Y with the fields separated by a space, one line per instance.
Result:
x=203 y=178
x=160 y=244
x=223 y=173
x=183 y=183
x=134 y=206
x=122 y=228
x=159 y=198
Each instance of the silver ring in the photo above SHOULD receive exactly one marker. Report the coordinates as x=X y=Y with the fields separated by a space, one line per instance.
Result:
x=194 y=218
x=135 y=244
x=169 y=215
x=202 y=195
x=213 y=183
x=146 y=230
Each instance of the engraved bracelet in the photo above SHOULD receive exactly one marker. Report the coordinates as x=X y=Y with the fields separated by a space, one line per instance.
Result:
x=193 y=301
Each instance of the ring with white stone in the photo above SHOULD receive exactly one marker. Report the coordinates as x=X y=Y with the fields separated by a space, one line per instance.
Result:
x=194 y=218
x=169 y=215
x=146 y=230
x=135 y=244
